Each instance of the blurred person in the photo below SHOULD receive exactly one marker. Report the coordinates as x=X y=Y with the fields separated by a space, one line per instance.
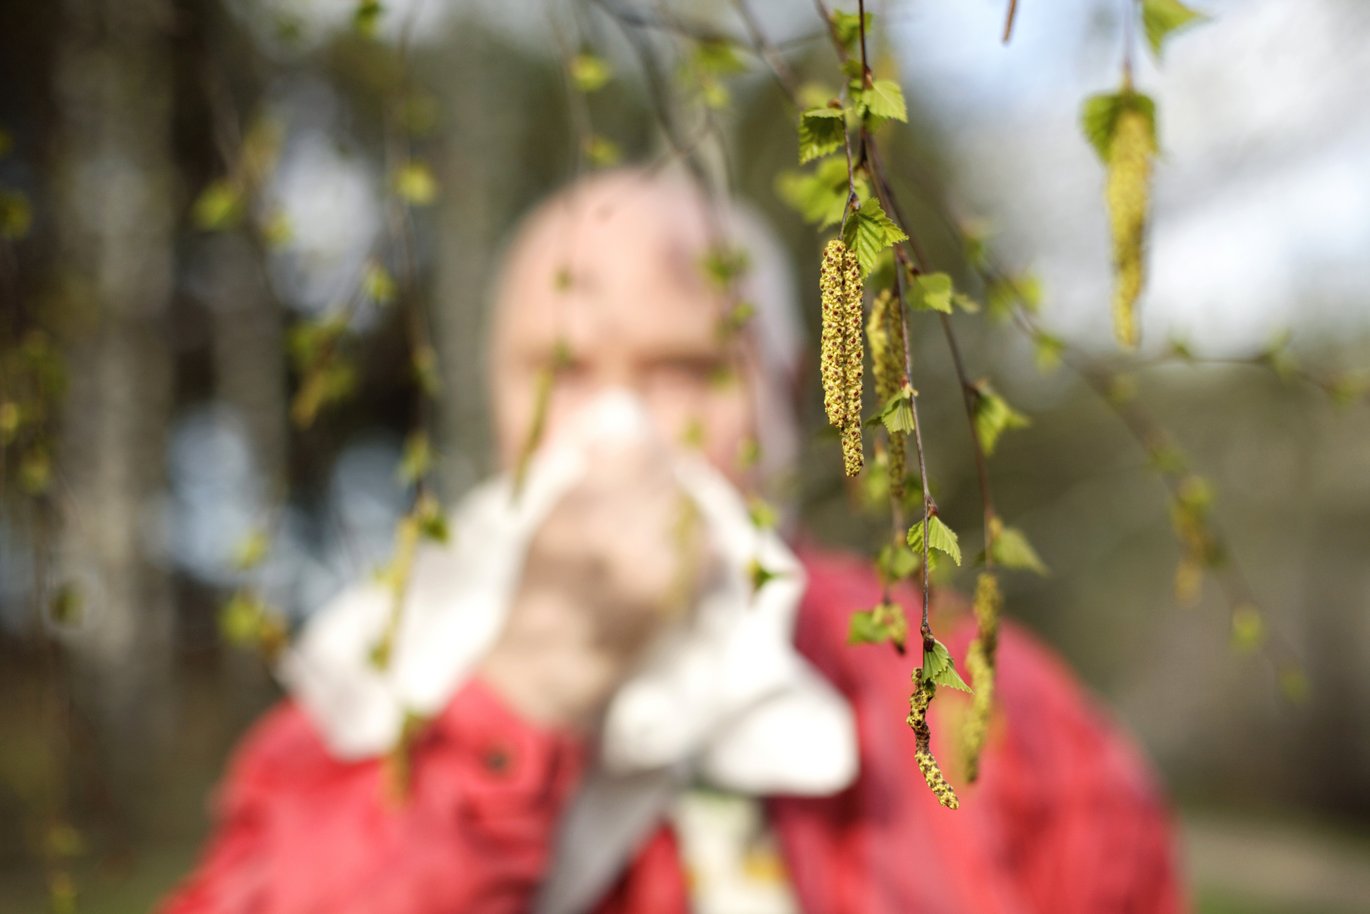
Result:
x=589 y=704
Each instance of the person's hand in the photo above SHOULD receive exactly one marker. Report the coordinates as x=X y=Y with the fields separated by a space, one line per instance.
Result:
x=615 y=560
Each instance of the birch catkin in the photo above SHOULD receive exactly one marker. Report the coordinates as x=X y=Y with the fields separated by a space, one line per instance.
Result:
x=919 y=701
x=840 y=351
x=980 y=664
x=1127 y=194
x=885 y=336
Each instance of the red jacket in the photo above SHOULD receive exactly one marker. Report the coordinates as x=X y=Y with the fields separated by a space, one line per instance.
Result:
x=1065 y=818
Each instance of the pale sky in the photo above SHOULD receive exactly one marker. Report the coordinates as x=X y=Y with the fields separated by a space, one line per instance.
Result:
x=1262 y=201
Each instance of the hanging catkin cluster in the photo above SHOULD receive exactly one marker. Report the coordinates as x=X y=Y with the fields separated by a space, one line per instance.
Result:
x=919 y=701
x=885 y=335
x=1127 y=194
x=840 y=352
x=980 y=665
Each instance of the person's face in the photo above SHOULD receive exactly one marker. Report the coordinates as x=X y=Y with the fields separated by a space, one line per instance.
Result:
x=615 y=278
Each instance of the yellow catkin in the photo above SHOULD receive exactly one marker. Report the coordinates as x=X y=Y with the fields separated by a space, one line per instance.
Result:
x=980 y=657
x=1128 y=196
x=840 y=348
x=885 y=336
x=919 y=701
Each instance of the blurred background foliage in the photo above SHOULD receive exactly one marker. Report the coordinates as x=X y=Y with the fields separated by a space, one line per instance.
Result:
x=201 y=211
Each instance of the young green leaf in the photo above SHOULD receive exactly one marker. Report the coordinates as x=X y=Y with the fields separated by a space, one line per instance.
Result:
x=847 y=27
x=885 y=622
x=1248 y=628
x=251 y=550
x=414 y=184
x=367 y=16
x=1161 y=18
x=818 y=196
x=822 y=131
x=932 y=292
x=431 y=520
x=1010 y=549
x=718 y=58
x=940 y=537
x=1047 y=351
x=862 y=629
x=897 y=413
x=417 y=459
x=219 y=206
x=601 y=151
x=760 y=575
x=883 y=100
x=897 y=562
x=1100 y=113
x=589 y=72
x=869 y=232
x=940 y=669
x=16 y=215
x=378 y=284
x=993 y=416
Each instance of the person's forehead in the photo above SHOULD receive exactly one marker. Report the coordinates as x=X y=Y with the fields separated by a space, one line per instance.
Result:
x=620 y=263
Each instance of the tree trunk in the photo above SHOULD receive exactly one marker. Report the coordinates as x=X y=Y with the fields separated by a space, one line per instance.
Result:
x=113 y=212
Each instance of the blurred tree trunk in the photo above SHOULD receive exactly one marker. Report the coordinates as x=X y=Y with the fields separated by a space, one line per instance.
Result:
x=113 y=214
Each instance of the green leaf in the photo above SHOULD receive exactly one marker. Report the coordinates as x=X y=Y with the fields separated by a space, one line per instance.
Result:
x=940 y=537
x=847 y=27
x=276 y=229
x=862 y=629
x=1047 y=350
x=932 y=292
x=1346 y=389
x=432 y=522
x=1099 y=117
x=378 y=284
x=820 y=196
x=1010 y=549
x=16 y=216
x=601 y=151
x=1161 y=18
x=885 y=622
x=897 y=413
x=993 y=417
x=67 y=605
x=367 y=16
x=312 y=341
x=1294 y=683
x=1248 y=628
x=1003 y=294
x=219 y=206
x=762 y=513
x=425 y=367
x=589 y=72
x=940 y=669
x=897 y=562
x=822 y=131
x=884 y=100
x=414 y=184
x=719 y=58
x=869 y=232
x=760 y=575
x=723 y=265
x=965 y=303
x=240 y=619
x=251 y=550
x=417 y=459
